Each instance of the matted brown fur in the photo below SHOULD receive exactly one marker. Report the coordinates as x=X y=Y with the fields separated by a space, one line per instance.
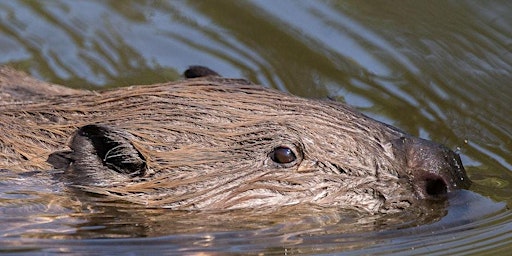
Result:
x=206 y=143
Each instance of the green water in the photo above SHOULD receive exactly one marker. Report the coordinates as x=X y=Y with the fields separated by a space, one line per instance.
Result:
x=437 y=69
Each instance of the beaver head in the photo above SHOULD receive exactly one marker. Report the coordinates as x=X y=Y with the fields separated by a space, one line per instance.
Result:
x=216 y=143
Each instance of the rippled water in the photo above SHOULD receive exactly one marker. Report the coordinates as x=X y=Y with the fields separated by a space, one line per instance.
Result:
x=439 y=70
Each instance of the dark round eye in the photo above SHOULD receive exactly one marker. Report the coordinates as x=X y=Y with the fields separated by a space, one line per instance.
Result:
x=282 y=155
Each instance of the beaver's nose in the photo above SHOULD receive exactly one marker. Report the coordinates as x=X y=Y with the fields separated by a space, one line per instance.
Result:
x=434 y=169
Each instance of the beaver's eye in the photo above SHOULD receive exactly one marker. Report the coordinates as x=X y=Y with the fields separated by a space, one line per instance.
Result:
x=282 y=155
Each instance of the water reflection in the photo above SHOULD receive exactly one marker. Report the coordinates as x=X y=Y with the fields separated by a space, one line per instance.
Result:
x=439 y=70
x=474 y=222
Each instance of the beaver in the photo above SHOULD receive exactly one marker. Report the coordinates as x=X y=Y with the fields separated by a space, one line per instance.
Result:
x=209 y=142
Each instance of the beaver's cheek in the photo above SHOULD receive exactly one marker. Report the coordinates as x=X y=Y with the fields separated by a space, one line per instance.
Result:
x=307 y=166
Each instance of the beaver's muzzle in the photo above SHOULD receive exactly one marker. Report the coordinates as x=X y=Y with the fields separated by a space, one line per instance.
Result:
x=433 y=169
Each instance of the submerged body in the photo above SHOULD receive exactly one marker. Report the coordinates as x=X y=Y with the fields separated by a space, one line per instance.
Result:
x=216 y=143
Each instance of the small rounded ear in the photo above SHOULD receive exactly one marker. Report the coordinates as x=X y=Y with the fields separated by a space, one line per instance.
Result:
x=113 y=147
x=98 y=152
x=199 y=71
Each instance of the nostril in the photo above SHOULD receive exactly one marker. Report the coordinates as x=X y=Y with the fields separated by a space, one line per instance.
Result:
x=430 y=186
x=435 y=187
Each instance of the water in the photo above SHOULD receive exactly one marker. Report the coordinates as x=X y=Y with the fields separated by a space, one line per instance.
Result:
x=439 y=70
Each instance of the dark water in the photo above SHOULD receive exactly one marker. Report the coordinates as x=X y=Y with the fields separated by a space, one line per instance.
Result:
x=437 y=69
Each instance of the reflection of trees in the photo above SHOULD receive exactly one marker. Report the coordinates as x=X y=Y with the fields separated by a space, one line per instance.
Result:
x=94 y=42
x=281 y=55
x=80 y=43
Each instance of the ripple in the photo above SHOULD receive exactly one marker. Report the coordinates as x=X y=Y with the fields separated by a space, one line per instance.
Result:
x=474 y=224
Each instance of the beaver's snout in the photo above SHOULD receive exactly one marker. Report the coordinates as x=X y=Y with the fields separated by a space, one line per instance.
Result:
x=432 y=168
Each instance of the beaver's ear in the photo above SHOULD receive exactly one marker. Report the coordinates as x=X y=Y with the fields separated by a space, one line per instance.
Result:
x=199 y=71
x=98 y=151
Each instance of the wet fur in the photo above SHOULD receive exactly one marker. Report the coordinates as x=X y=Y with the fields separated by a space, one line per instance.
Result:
x=204 y=144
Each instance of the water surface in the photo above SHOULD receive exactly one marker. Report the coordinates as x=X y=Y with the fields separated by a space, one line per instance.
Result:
x=438 y=70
